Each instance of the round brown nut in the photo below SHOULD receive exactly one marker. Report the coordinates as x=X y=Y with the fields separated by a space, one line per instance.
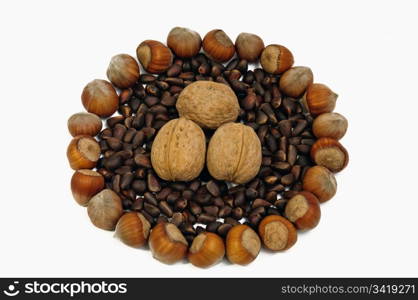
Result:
x=178 y=151
x=234 y=153
x=209 y=104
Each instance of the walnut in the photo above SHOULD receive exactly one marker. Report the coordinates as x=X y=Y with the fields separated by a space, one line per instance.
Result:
x=234 y=153
x=178 y=151
x=209 y=104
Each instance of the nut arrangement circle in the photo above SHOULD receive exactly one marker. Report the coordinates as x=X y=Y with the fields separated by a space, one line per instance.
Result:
x=281 y=154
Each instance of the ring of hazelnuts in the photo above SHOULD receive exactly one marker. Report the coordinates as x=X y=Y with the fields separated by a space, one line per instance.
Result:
x=205 y=154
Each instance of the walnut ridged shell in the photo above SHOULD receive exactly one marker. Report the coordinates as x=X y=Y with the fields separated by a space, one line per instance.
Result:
x=178 y=151
x=209 y=104
x=234 y=153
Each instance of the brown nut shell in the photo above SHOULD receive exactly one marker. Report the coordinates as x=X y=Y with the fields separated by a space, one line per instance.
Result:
x=321 y=182
x=332 y=125
x=123 y=71
x=276 y=59
x=133 y=229
x=178 y=151
x=209 y=104
x=320 y=99
x=83 y=152
x=84 y=124
x=218 y=45
x=295 y=81
x=167 y=243
x=154 y=56
x=242 y=245
x=277 y=233
x=249 y=46
x=234 y=153
x=99 y=97
x=184 y=42
x=105 y=209
x=303 y=210
x=206 y=250
x=85 y=184
x=329 y=153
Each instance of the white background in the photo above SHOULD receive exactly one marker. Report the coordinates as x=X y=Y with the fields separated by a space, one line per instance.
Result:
x=366 y=51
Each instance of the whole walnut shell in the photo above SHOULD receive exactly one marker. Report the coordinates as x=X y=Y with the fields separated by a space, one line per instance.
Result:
x=178 y=151
x=209 y=104
x=234 y=153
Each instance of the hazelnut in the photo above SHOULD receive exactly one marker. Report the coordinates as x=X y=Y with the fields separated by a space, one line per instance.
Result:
x=234 y=153
x=276 y=59
x=294 y=81
x=123 y=71
x=329 y=153
x=277 y=233
x=332 y=125
x=105 y=209
x=184 y=42
x=321 y=182
x=249 y=46
x=85 y=184
x=218 y=45
x=320 y=99
x=209 y=104
x=242 y=245
x=178 y=151
x=133 y=229
x=84 y=124
x=83 y=152
x=99 y=97
x=303 y=210
x=206 y=250
x=154 y=56
x=167 y=243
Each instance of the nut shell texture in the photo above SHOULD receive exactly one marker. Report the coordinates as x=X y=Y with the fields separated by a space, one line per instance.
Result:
x=277 y=233
x=179 y=149
x=207 y=249
x=133 y=229
x=320 y=99
x=184 y=42
x=332 y=125
x=276 y=59
x=105 y=209
x=209 y=104
x=154 y=56
x=321 y=182
x=218 y=45
x=242 y=245
x=123 y=70
x=234 y=153
x=99 y=97
x=167 y=243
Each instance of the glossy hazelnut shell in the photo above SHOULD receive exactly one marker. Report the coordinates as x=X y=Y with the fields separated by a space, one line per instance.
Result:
x=331 y=125
x=163 y=247
x=321 y=182
x=83 y=152
x=310 y=218
x=184 y=42
x=123 y=71
x=154 y=56
x=218 y=45
x=99 y=97
x=328 y=159
x=85 y=184
x=238 y=241
x=276 y=59
x=320 y=99
x=211 y=250
x=84 y=124
x=270 y=237
x=133 y=229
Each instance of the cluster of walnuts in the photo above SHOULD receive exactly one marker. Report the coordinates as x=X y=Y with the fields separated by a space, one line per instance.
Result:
x=179 y=150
